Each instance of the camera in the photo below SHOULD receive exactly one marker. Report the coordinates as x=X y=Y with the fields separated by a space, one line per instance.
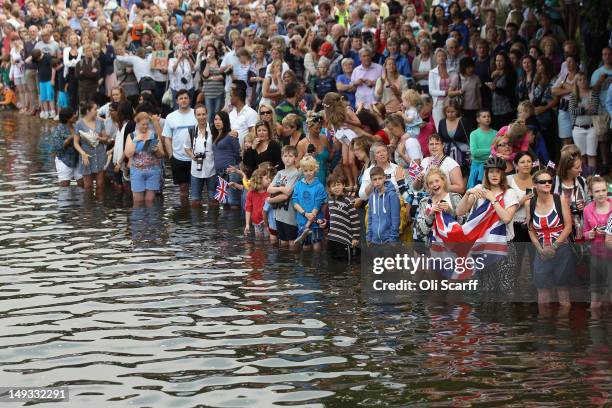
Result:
x=200 y=161
x=574 y=209
x=184 y=81
x=311 y=149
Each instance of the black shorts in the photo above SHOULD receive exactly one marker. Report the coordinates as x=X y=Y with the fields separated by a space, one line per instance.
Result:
x=286 y=232
x=181 y=171
x=342 y=252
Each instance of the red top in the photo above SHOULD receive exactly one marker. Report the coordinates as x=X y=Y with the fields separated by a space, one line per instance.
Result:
x=255 y=201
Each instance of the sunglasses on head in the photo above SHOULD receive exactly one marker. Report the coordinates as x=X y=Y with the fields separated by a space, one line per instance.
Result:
x=547 y=181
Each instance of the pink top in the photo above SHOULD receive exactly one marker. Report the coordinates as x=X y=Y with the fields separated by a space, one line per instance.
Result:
x=522 y=147
x=591 y=220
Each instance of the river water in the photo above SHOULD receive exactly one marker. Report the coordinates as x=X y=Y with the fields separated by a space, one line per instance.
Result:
x=168 y=307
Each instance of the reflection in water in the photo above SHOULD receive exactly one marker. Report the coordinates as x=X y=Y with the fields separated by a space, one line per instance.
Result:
x=168 y=307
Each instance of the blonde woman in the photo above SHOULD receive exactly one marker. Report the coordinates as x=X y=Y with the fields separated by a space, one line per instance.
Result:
x=439 y=84
x=272 y=90
x=390 y=86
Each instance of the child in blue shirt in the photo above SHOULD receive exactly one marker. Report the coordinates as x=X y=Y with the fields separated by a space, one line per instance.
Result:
x=308 y=199
x=383 y=210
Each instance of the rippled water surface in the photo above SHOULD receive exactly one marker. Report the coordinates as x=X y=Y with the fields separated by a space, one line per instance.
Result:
x=166 y=307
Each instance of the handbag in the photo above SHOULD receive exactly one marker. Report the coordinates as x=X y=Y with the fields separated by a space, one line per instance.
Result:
x=167 y=98
x=459 y=98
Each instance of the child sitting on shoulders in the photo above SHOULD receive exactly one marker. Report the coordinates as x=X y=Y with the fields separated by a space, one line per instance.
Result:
x=343 y=236
x=411 y=101
x=308 y=199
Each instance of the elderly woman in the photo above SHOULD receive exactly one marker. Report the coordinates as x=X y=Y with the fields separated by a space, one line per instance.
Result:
x=381 y=159
x=390 y=86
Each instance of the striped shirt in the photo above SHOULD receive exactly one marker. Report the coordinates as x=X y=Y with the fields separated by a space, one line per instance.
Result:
x=343 y=221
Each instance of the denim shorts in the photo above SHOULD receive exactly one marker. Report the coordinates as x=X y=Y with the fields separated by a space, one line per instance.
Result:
x=555 y=272
x=565 y=124
x=142 y=180
x=197 y=185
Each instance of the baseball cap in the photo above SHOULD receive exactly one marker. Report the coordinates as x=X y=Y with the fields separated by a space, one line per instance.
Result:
x=326 y=49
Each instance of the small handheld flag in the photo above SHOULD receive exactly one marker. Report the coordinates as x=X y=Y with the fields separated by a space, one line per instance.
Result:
x=551 y=164
x=414 y=170
x=536 y=164
x=221 y=192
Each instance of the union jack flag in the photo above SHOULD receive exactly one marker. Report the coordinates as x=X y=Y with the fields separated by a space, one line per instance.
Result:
x=548 y=227
x=551 y=164
x=482 y=236
x=414 y=170
x=536 y=164
x=221 y=193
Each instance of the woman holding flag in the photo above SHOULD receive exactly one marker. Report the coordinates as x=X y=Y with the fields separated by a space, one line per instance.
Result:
x=492 y=205
x=550 y=225
x=226 y=153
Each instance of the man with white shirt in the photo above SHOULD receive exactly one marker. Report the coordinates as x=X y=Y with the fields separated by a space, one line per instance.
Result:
x=242 y=117
x=176 y=130
x=141 y=66
x=364 y=77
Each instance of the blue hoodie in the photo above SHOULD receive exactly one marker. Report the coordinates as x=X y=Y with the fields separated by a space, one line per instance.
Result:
x=383 y=216
x=309 y=197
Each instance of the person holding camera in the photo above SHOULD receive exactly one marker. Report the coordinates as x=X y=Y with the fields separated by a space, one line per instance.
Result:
x=181 y=73
x=199 y=146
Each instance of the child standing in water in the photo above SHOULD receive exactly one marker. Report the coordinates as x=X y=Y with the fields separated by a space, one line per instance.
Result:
x=308 y=199
x=255 y=200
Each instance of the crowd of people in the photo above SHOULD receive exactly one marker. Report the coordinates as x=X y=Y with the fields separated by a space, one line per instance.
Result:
x=335 y=122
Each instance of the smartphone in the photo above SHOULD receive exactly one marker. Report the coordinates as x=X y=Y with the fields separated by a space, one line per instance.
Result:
x=528 y=191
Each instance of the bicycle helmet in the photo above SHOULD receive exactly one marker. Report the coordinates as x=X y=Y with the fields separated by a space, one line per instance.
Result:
x=495 y=162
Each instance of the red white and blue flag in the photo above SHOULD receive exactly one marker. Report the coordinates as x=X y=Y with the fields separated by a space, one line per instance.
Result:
x=222 y=189
x=414 y=170
x=482 y=236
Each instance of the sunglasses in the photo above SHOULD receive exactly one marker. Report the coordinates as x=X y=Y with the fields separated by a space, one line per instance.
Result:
x=503 y=144
x=235 y=14
x=262 y=112
x=547 y=181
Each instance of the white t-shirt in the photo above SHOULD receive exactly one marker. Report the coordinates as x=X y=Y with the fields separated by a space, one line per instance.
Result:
x=520 y=215
x=510 y=199
x=202 y=145
x=446 y=166
x=413 y=148
x=177 y=128
x=247 y=118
